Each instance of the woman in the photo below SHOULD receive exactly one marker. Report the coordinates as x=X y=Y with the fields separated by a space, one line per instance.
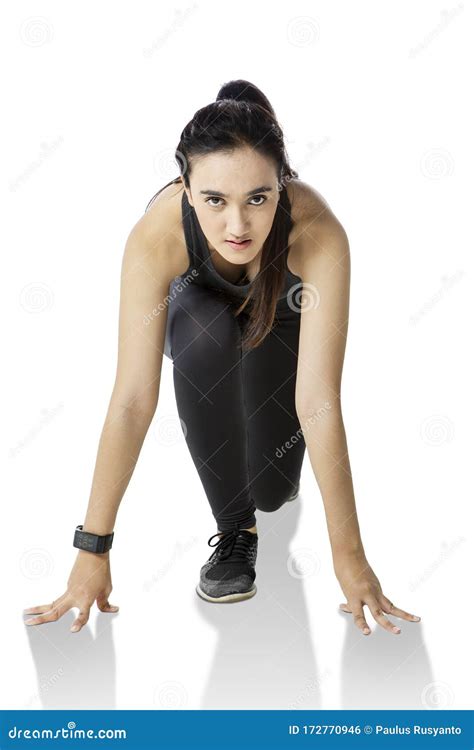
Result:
x=239 y=273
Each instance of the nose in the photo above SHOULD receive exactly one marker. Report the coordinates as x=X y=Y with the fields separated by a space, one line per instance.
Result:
x=237 y=226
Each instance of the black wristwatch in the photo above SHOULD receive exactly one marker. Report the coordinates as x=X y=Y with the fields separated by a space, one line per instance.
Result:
x=92 y=542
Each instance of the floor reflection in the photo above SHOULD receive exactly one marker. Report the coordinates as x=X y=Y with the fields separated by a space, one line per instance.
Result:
x=385 y=671
x=264 y=657
x=73 y=669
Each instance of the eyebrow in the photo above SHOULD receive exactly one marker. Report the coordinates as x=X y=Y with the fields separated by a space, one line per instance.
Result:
x=262 y=189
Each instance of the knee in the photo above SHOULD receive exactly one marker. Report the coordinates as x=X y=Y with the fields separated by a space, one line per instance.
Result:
x=202 y=325
x=272 y=499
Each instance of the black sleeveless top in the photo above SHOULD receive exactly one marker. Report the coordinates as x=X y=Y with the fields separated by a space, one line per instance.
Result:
x=200 y=258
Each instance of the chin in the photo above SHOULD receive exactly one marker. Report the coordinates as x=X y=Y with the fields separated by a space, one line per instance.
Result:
x=249 y=253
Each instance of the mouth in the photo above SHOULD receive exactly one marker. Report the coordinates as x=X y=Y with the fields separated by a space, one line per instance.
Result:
x=238 y=245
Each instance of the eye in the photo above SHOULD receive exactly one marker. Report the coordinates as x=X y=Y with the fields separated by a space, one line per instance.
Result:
x=264 y=197
x=215 y=198
x=212 y=198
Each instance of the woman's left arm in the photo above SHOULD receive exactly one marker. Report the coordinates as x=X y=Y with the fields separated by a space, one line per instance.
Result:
x=322 y=260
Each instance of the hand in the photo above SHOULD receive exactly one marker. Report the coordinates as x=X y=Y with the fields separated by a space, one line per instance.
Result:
x=90 y=580
x=361 y=586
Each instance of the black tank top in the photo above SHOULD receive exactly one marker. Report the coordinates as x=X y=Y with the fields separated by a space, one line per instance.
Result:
x=200 y=258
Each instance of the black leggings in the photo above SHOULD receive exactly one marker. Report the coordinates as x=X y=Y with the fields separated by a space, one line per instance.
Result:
x=237 y=410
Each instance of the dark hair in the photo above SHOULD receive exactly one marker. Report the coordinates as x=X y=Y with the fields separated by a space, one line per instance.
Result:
x=243 y=116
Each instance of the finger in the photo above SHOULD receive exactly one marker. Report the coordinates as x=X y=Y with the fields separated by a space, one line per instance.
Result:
x=54 y=613
x=80 y=620
x=105 y=606
x=377 y=613
x=43 y=607
x=360 y=621
x=391 y=609
x=359 y=617
x=39 y=609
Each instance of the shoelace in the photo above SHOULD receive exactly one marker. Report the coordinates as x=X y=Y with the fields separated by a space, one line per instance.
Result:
x=230 y=543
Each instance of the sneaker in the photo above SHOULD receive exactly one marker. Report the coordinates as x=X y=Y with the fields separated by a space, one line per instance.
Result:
x=229 y=574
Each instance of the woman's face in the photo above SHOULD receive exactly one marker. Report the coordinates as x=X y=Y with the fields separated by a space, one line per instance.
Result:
x=235 y=197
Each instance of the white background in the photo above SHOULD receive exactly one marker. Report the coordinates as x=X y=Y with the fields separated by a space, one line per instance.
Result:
x=373 y=99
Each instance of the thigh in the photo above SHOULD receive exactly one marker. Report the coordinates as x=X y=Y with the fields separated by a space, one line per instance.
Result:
x=194 y=309
x=275 y=441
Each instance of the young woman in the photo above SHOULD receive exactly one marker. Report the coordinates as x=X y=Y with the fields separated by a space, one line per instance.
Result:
x=239 y=273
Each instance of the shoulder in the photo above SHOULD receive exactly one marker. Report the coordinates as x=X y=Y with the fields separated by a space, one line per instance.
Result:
x=158 y=233
x=163 y=215
x=316 y=231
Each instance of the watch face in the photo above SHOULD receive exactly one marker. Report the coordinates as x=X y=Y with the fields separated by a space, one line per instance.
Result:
x=92 y=542
x=85 y=541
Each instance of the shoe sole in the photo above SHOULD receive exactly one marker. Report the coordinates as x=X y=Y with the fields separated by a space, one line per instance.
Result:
x=227 y=597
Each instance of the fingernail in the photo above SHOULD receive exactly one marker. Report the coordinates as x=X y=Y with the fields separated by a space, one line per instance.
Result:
x=74 y=628
x=396 y=630
x=30 y=621
x=415 y=617
x=366 y=631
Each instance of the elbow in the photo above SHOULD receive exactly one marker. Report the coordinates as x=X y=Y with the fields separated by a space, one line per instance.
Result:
x=136 y=405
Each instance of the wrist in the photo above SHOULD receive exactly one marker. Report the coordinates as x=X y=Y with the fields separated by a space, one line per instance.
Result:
x=348 y=558
x=102 y=557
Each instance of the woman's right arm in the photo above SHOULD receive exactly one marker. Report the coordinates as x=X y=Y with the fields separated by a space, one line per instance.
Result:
x=147 y=270
x=148 y=266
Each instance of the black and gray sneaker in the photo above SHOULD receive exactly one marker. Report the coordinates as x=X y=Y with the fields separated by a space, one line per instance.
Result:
x=229 y=574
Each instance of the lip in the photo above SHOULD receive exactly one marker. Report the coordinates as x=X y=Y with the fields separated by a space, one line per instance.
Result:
x=239 y=245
